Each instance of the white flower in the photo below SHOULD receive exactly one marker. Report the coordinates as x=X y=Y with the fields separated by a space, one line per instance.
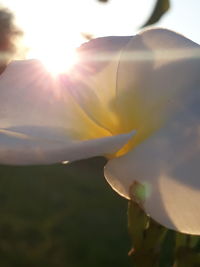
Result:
x=135 y=100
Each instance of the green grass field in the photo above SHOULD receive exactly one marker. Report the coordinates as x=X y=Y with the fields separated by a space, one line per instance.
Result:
x=61 y=215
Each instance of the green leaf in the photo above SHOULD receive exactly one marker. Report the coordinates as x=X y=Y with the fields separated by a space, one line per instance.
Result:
x=197 y=246
x=146 y=236
x=186 y=257
x=137 y=223
x=168 y=249
x=161 y=7
x=154 y=235
x=187 y=252
x=153 y=244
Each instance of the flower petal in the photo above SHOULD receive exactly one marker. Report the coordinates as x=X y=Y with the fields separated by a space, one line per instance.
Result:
x=93 y=80
x=31 y=96
x=155 y=67
x=42 y=145
x=41 y=122
x=168 y=165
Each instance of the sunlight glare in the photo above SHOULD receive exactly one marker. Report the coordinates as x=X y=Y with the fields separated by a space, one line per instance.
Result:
x=52 y=29
x=52 y=36
x=57 y=62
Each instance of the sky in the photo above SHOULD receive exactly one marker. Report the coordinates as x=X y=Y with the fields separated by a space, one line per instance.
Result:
x=183 y=17
x=53 y=28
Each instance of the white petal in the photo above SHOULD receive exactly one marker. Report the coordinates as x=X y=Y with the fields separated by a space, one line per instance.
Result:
x=31 y=96
x=168 y=164
x=42 y=145
x=93 y=79
x=35 y=106
x=155 y=67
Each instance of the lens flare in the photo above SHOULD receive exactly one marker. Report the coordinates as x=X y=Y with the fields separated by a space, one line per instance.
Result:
x=59 y=63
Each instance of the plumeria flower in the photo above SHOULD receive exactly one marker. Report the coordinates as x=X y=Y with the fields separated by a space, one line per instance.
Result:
x=134 y=100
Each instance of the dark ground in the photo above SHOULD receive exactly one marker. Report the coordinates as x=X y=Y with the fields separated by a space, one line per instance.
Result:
x=61 y=215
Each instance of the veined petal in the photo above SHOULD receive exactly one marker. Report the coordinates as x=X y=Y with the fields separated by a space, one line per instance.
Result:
x=168 y=165
x=41 y=145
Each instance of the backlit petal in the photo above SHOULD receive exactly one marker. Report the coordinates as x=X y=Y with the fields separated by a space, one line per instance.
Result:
x=93 y=80
x=42 y=145
x=42 y=123
x=31 y=96
x=156 y=68
x=168 y=165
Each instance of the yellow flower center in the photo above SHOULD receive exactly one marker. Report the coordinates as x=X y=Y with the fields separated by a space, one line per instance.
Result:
x=105 y=105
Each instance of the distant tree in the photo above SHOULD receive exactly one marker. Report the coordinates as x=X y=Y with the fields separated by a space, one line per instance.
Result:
x=8 y=37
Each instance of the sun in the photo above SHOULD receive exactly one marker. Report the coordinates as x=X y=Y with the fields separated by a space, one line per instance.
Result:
x=55 y=49
x=61 y=64
x=56 y=60
x=51 y=31
x=55 y=57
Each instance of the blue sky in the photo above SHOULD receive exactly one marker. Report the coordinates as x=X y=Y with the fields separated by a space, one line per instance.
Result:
x=184 y=17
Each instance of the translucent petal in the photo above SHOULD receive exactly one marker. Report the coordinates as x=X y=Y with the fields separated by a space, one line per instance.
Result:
x=42 y=145
x=31 y=96
x=156 y=68
x=168 y=165
x=41 y=122
x=93 y=80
